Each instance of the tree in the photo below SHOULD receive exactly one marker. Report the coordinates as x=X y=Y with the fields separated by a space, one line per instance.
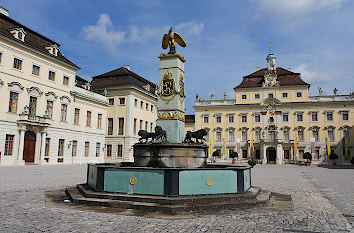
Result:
x=252 y=162
x=234 y=155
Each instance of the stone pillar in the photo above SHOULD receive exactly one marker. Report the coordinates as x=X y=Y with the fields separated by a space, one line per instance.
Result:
x=280 y=154
x=129 y=119
x=264 y=154
x=20 y=160
x=171 y=96
x=37 y=152
x=44 y=136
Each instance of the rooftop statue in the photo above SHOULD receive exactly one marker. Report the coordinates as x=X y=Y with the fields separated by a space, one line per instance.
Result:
x=169 y=40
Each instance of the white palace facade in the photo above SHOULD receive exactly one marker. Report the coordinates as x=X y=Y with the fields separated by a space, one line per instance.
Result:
x=45 y=117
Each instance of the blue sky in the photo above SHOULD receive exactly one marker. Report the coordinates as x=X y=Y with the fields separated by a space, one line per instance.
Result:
x=226 y=40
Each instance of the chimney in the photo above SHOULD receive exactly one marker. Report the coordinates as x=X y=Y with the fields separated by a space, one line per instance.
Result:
x=4 y=11
x=258 y=68
x=127 y=67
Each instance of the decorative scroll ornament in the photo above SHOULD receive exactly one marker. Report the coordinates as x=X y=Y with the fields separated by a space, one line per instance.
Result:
x=167 y=85
x=182 y=94
x=171 y=115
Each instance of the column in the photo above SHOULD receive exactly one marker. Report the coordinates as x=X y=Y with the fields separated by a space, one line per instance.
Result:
x=20 y=160
x=44 y=136
x=264 y=154
x=280 y=154
x=37 y=148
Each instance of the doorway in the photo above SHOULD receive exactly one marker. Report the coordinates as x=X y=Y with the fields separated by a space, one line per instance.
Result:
x=29 y=146
x=271 y=155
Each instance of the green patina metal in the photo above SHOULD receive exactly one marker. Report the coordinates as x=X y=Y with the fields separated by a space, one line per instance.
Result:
x=92 y=176
x=246 y=179
x=194 y=182
x=147 y=181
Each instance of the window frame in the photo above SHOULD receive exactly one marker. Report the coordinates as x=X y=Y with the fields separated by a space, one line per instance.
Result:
x=49 y=75
x=20 y=64
x=243 y=96
x=33 y=70
x=9 y=145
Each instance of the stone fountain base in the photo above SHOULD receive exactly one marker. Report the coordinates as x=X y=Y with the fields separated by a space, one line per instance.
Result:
x=164 y=155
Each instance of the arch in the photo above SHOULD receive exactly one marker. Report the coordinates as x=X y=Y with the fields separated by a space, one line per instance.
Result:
x=65 y=100
x=51 y=96
x=34 y=91
x=15 y=87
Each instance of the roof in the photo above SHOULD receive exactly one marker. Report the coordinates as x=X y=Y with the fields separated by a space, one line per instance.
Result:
x=120 y=77
x=271 y=55
x=80 y=81
x=33 y=39
x=189 y=118
x=285 y=78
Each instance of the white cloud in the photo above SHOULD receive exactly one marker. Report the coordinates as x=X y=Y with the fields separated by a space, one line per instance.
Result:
x=103 y=32
x=293 y=9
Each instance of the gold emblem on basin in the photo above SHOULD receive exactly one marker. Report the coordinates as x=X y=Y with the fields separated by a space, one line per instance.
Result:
x=209 y=181
x=132 y=181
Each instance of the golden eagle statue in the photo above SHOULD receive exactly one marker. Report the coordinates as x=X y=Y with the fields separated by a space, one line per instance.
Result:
x=169 y=40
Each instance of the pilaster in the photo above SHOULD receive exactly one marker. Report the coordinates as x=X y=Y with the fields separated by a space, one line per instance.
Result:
x=20 y=160
x=43 y=140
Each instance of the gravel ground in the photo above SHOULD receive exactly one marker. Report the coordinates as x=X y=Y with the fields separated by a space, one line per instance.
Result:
x=323 y=202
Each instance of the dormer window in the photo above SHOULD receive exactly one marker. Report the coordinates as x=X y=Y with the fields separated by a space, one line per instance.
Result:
x=53 y=49
x=19 y=34
x=147 y=87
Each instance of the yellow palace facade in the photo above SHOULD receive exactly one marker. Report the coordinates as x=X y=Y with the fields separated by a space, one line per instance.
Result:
x=274 y=120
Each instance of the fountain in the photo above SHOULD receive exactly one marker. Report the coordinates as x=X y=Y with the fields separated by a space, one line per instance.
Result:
x=170 y=172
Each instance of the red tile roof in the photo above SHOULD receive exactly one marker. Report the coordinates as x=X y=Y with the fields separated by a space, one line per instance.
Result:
x=32 y=39
x=120 y=77
x=285 y=78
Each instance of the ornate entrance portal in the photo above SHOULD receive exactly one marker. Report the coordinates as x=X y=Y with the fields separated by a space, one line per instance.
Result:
x=29 y=146
x=271 y=155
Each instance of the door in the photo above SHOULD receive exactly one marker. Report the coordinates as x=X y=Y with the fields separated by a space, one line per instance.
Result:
x=271 y=155
x=29 y=146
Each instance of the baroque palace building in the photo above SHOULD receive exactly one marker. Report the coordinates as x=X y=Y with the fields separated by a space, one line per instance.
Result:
x=132 y=107
x=48 y=115
x=273 y=119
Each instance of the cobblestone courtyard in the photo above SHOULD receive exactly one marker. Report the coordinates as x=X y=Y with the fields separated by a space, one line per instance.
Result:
x=323 y=202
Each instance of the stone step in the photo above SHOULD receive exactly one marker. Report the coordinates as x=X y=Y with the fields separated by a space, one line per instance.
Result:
x=263 y=196
x=181 y=200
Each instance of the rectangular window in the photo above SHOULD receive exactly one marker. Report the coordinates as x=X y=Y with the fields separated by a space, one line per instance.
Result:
x=244 y=97
x=99 y=121
x=13 y=102
x=120 y=151
x=151 y=127
x=9 y=145
x=50 y=109
x=136 y=103
x=315 y=135
x=0 y=58
x=256 y=96
x=33 y=107
x=286 y=135
x=66 y=80
x=110 y=126
x=47 y=147
x=329 y=116
x=51 y=75
x=257 y=118
x=314 y=116
x=244 y=154
x=218 y=119
x=244 y=136
x=135 y=122
x=109 y=151
x=98 y=146
x=146 y=125
x=299 y=117
x=218 y=136
x=141 y=104
x=61 y=148
x=74 y=149
x=206 y=119
x=87 y=149
x=285 y=95
x=331 y=135
x=298 y=94
x=122 y=101
x=141 y=125
x=285 y=117
x=243 y=118
x=345 y=116
x=111 y=101
x=231 y=118
x=64 y=110
x=286 y=154
x=121 y=126
x=270 y=95
x=88 y=119
x=257 y=136
x=300 y=135
x=35 y=70
x=77 y=116
x=17 y=64
x=231 y=136
x=152 y=108
x=147 y=107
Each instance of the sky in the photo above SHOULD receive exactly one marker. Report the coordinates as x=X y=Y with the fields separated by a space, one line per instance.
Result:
x=226 y=40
